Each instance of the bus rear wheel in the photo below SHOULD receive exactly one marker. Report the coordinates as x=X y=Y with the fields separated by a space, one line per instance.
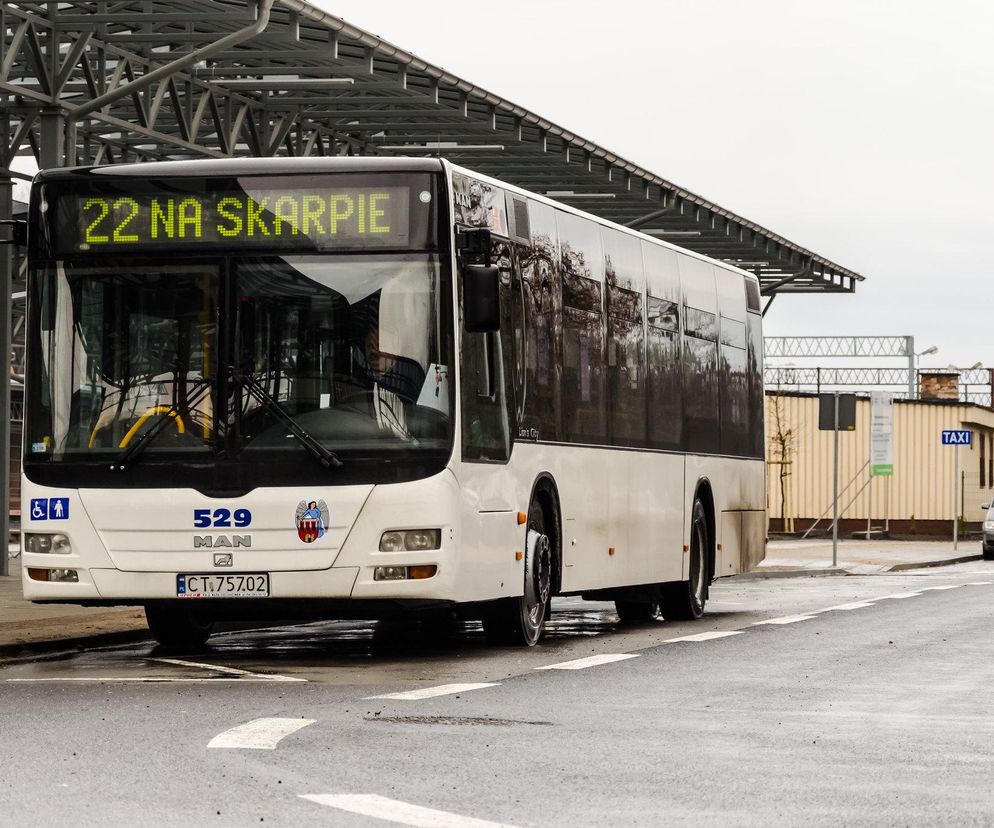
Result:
x=521 y=621
x=178 y=626
x=684 y=600
x=636 y=611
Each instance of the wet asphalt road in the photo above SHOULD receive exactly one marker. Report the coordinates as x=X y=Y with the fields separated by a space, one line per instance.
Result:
x=813 y=700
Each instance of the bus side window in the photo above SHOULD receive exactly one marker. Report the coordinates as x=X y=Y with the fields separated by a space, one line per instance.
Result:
x=583 y=380
x=626 y=384
x=663 y=348
x=542 y=300
x=485 y=413
x=754 y=341
x=702 y=422
x=733 y=363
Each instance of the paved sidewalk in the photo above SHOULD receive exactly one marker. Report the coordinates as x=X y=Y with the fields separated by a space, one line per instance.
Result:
x=812 y=557
x=26 y=626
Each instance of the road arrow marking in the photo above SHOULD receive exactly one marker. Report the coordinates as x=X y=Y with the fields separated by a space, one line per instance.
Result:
x=431 y=692
x=393 y=810
x=259 y=734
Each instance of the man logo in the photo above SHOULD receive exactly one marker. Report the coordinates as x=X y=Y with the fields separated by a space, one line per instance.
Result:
x=224 y=559
x=222 y=541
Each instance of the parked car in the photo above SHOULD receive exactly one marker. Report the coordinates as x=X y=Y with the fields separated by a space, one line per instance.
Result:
x=988 y=542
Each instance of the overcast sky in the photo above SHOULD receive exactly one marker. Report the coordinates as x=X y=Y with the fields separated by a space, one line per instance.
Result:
x=862 y=130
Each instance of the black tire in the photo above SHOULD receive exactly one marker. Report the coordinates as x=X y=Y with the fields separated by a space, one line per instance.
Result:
x=637 y=611
x=439 y=624
x=178 y=626
x=685 y=600
x=987 y=552
x=520 y=622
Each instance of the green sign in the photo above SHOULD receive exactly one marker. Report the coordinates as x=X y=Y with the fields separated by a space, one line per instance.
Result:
x=314 y=218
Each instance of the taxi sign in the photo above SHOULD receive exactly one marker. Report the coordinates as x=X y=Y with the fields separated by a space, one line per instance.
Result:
x=957 y=437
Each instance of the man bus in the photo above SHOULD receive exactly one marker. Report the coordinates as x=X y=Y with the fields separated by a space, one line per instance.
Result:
x=356 y=387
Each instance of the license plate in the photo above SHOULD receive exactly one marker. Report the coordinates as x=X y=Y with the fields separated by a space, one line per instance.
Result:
x=251 y=585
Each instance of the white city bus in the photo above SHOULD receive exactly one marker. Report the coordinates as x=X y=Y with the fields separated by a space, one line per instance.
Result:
x=358 y=387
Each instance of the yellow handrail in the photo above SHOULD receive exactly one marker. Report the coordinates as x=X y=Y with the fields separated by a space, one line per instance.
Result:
x=159 y=409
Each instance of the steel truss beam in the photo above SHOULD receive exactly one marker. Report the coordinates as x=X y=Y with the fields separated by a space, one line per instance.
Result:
x=57 y=57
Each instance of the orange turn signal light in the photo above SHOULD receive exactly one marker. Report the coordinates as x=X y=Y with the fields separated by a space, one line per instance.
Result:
x=519 y=555
x=37 y=574
x=421 y=572
x=522 y=518
x=610 y=550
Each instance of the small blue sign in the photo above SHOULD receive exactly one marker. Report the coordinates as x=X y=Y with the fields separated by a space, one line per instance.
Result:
x=49 y=508
x=957 y=437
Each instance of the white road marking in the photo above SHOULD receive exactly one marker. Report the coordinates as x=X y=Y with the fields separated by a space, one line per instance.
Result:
x=589 y=661
x=853 y=606
x=786 y=619
x=704 y=636
x=235 y=674
x=979 y=583
x=231 y=671
x=899 y=595
x=259 y=734
x=393 y=810
x=431 y=692
x=937 y=588
x=146 y=680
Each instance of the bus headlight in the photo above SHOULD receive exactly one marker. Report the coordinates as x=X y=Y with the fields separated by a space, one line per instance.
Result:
x=989 y=525
x=44 y=544
x=411 y=540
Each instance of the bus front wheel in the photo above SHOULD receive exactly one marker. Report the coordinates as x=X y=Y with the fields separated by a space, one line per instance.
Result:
x=684 y=600
x=521 y=621
x=178 y=626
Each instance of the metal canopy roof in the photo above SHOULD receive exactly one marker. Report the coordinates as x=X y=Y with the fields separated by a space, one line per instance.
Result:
x=311 y=84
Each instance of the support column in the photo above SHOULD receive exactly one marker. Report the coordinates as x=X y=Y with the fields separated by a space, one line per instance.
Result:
x=6 y=278
x=52 y=129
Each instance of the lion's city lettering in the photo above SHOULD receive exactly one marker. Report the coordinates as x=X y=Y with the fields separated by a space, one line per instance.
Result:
x=318 y=218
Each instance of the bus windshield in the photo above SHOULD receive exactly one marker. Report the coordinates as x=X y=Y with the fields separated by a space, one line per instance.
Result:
x=229 y=360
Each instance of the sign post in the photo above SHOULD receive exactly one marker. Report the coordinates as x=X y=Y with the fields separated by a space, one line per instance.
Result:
x=956 y=437
x=836 y=412
x=835 y=487
x=881 y=446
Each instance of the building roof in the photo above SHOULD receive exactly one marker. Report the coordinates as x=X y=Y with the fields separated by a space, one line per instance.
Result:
x=312 y=84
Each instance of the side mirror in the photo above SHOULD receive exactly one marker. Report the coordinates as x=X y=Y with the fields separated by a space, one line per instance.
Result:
x=481 y=298
x=986 y=506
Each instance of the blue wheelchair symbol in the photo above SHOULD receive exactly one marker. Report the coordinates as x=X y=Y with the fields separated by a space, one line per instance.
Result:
x=50 y=508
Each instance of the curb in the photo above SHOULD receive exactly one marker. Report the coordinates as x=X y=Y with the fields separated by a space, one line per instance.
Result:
x=759 y=575
x=65 y=645
x=927 y=564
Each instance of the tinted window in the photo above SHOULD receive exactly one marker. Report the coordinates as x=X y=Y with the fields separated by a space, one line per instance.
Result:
x=700 y=356
x=542 y=301
x=664 y=371
x=582 y=263
x=625 y=338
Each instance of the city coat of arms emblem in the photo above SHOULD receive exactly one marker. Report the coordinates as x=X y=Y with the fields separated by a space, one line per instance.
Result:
x=312 y=518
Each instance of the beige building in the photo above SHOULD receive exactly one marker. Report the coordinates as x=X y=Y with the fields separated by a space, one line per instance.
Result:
x=918 y=498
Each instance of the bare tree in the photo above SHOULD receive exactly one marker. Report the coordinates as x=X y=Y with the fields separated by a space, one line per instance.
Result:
x=782 y=447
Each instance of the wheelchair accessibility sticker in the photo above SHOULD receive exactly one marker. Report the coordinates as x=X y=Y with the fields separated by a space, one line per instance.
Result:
x=50 y=508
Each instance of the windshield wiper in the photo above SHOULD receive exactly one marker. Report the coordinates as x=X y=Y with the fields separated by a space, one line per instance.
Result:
x=326 y=457
x=132 y=450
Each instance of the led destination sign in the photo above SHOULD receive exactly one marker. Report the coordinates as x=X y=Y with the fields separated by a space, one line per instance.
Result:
x=319 y=218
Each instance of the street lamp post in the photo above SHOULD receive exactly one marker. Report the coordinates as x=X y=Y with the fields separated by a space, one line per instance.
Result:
x=914 y=392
